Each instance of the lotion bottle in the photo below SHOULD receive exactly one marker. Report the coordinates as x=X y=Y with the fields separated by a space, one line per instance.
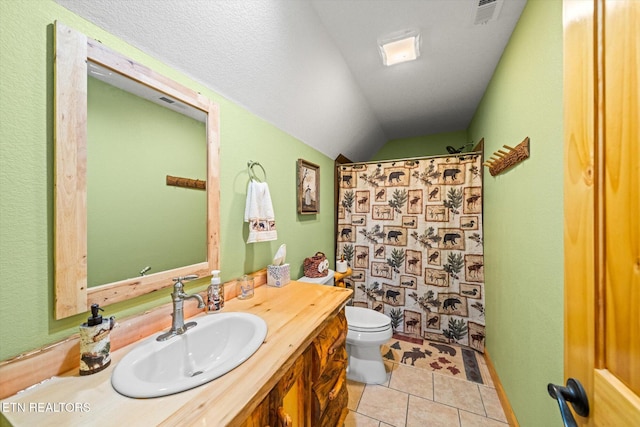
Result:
x=215 y=293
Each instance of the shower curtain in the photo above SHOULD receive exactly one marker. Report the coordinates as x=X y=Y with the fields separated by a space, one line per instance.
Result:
x=411 y=230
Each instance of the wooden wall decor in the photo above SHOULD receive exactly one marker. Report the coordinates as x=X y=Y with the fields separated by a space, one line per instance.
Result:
x=502 y=160
x=186 y=182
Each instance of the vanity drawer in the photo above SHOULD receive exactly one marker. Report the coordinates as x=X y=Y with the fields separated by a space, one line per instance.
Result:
x=329 y=344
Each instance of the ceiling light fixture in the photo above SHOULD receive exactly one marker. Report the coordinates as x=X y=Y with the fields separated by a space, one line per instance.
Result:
x=400 y=47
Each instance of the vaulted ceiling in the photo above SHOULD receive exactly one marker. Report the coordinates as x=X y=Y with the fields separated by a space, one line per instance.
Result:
x=312 y=67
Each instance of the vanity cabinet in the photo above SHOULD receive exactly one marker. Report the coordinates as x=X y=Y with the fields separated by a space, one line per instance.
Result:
x=259 y=417
x=313 y=391
x=296 y=378
x=290 y=400
x=287 y=404
x=329 y=374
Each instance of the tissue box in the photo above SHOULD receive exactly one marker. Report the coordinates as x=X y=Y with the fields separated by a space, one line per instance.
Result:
x=278 y=275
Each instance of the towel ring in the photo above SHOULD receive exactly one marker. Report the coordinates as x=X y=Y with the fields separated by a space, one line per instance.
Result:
x=252 y=173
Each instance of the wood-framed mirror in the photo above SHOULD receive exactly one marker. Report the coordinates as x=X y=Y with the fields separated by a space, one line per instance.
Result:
x=75 y=54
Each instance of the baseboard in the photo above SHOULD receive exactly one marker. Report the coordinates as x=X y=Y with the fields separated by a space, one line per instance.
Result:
x=506 y=406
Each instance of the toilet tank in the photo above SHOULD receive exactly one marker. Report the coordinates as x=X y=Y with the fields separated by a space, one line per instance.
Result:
x=326 y=280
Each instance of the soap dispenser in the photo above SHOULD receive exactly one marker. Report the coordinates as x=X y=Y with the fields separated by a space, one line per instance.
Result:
x=95 y=342
x=215 y=293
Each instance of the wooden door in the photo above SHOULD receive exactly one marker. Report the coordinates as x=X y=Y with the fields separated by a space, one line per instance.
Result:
x=602 y=206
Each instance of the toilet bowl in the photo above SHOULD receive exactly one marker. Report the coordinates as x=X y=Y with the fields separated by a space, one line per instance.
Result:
x=367 y=331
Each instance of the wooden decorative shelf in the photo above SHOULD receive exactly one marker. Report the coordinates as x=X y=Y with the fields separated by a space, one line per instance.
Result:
x=186 y=182
x=502 y=160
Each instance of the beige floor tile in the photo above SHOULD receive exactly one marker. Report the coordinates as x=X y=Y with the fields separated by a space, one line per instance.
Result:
x=468 y=419
x=355 y=419
x=458 y=393
x=384 y=404
x=414 y=381
x=425 y=413
x=355 y=390
x=492 y=404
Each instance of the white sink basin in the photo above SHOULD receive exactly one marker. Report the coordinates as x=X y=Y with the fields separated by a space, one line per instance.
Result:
x=219 y=343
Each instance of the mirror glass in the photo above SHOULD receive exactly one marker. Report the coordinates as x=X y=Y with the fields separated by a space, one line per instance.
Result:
x=137 y=188
x=136 y=224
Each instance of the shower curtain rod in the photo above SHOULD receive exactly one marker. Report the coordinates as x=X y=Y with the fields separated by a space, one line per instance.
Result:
x=412 y=158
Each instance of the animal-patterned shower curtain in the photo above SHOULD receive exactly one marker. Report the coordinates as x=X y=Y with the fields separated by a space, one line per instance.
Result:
x=411 y=230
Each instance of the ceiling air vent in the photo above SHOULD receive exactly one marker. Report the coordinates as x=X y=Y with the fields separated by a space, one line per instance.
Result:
x=487 y=11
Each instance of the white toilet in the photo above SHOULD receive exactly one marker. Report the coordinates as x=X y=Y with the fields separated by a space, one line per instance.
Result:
x=326 y=280
x=368 y=330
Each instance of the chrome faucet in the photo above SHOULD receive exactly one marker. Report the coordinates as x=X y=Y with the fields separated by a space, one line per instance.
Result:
x=178 y=327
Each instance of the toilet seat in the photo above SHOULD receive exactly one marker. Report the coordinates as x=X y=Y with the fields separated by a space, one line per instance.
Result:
x=361 y=319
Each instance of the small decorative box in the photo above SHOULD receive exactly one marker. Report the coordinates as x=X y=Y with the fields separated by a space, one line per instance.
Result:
x=278 y=275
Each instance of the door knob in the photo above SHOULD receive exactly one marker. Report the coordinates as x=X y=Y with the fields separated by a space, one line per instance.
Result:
x=573 y=393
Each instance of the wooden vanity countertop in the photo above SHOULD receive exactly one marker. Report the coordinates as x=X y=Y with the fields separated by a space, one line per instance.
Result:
x=294 y=314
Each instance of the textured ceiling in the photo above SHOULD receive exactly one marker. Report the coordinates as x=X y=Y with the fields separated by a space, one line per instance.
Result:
x=312 y=68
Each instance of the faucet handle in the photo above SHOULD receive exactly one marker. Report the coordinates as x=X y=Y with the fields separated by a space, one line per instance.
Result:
x=183 y=278
x=178 y=281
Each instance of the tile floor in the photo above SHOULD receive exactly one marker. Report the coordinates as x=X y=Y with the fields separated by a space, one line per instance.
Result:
x=414 y=397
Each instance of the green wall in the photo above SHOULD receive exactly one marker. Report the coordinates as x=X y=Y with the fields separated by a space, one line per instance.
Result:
x=523 y=217
x=26 y=181
x=422 y=146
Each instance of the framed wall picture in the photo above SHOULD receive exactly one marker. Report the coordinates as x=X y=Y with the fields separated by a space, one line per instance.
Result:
x=308 y=187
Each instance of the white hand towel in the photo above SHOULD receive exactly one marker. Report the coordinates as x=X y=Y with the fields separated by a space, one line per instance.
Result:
x=259 y=213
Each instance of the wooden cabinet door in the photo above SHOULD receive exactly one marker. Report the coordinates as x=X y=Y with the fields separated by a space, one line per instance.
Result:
x=291 y=398
x=259 y=417
x=602 y=206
